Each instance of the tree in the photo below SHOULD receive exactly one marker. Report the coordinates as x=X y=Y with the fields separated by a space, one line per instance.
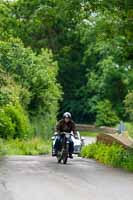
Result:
x=105 y=115
x=36 y=75
x=129 y=105
x=107 y=54
x=90 y=39
x=14 y=120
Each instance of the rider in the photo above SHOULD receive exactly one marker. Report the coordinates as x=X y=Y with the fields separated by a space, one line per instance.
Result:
x=65 y=125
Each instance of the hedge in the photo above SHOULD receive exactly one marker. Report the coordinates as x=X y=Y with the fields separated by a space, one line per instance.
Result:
x=112 y=155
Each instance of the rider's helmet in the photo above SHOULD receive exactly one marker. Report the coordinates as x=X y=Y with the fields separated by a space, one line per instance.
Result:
x=67 y=115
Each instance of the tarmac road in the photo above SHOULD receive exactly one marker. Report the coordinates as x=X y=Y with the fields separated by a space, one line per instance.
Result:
x=41 y=178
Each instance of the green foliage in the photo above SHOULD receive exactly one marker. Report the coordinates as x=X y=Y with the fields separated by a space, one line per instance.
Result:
x=92 y=42
x=42 y=24
x=129 y=105
x=107 y=74
x=30 y=82
x=35 y=72
x=105 y=115
x=14 y=122
x=6 y=20
x=35 y=146
x=11 y=92
x=113 y=155
x=128 y=160
x=89 y=151
x=6 y=126
x=129 y=128
x=20 y=121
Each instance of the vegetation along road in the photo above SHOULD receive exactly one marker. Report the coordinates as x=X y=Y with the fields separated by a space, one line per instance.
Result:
x=61 y=56
x=40 y=177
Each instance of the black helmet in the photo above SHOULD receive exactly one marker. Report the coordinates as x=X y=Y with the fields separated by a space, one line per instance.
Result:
x=67 y=115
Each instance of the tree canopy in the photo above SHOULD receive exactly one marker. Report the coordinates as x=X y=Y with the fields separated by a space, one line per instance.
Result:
x=85 y=46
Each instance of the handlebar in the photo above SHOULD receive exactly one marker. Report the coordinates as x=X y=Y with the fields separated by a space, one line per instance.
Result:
x=63 y=133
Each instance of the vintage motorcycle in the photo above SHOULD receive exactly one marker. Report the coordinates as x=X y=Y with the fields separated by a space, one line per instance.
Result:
x=64 y=153
x=62 y=156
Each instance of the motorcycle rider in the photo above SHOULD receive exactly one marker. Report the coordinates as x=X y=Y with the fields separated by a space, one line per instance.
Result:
x=65 y=125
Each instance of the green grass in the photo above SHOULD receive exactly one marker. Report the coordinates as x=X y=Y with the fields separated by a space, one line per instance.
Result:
x=113 y=155
x=129 y=128
x=89 y=134
x=35 y=146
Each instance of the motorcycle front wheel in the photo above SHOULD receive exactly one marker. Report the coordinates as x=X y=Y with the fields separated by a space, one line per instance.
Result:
x=65 y=156
x=65 y=160
x=59 y=157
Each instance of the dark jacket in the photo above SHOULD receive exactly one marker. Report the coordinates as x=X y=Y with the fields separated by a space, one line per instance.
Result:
x=62 y=126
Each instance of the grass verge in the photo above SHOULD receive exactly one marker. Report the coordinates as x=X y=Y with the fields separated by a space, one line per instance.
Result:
x=129 y=128
x=89 y=134
x=114 y=155
x=35 y=146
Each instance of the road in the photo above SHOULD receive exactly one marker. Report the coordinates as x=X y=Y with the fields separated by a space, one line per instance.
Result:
x=41 y=178
x=90 y=140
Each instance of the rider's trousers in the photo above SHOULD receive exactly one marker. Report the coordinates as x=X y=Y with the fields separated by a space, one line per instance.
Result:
x=58 y=144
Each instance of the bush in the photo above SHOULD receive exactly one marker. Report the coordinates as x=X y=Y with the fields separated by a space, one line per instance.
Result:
x=20 y=119
x=2 y=147
x=129 y=128
x=12 y=92
x=105 y=115
x=129 y=105
x=7 y=128
x=114 y=155
x=36 y=76
x=14 y=122
x=44 y=127
x=128 y=160
x=13 y=118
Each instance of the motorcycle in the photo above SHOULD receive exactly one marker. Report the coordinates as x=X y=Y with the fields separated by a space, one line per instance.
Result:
x=62 y=156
